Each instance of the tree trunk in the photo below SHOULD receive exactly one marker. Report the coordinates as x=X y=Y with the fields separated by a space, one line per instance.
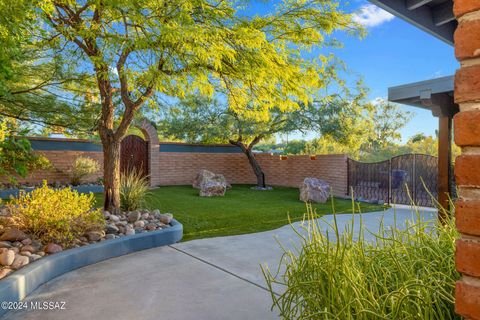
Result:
x=111 y=176
x=256 y=167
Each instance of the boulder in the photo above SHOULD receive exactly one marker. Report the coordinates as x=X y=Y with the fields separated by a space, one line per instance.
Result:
x=13 y=234
x=205 y=176
x=213 y=189
x=314 y=190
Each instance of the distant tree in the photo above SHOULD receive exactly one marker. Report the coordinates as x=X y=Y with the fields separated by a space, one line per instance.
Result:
x=199 y=119
x=388 y=119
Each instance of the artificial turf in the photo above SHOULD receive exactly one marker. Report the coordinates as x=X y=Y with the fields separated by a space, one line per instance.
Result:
x=240 y=211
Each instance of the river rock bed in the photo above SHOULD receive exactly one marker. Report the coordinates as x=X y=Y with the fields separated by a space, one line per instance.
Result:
x=18 y=249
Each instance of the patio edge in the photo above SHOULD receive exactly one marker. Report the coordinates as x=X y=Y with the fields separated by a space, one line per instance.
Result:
x=20 y=284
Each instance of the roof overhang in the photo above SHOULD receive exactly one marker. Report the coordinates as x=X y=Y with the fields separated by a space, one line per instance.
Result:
x=433 y=16
x=435 y=95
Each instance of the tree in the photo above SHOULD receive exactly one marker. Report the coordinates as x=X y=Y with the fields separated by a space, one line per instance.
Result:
x=137 y=49
x=16 y=155
x=199 y=119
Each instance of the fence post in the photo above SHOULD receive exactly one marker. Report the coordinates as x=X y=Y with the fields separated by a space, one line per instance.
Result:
x=414 y=180
x=389 y=181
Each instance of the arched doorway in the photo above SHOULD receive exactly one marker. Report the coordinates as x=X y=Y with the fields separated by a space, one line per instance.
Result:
x=134 y=155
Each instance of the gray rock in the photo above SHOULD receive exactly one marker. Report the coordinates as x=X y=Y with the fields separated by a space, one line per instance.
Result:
x=35 y=257
x=95 y=235
x=145 y=216
x=204 y=176
x=110 y=236
x=133 y=216
x=111 y=229
x=156 y=213
x=5 y=244
x=314 y=190
x=139 y=224
x=6 y=257
x=213 y=189
x=129 y=231
x=114 y=218
x=20 y=261
x=165 y=218
x=27 y=241
x=13 y=234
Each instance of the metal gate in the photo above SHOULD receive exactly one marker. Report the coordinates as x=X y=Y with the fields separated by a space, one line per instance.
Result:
x=401 y=180
x=134 y=155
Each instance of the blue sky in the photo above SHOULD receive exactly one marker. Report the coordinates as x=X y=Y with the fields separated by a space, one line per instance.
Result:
x=393 y=53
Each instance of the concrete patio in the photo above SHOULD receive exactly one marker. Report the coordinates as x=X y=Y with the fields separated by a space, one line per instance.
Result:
x=216 y=278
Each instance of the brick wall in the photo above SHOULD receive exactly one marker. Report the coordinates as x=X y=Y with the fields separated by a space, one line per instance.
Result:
x=181 y=168
x=467 y=169
x=61 y=162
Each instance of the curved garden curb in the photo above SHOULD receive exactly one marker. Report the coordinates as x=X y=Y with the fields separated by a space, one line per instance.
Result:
x=21 y=283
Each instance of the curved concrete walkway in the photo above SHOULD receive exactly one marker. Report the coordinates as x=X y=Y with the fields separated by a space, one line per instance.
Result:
x=216 y=278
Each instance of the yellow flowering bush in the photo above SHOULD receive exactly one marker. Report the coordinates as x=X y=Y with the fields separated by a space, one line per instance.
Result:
x=56 y=215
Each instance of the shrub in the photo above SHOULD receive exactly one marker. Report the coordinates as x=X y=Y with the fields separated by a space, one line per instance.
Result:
x=399 y=274
x=55 y=215
x=133 y=190
x=82 y=167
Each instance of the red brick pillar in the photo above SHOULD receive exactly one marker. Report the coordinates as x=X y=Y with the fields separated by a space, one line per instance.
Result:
x=151 y=135
x=467 y=166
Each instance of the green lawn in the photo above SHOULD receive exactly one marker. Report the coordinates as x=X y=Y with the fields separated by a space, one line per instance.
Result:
x=242 y=210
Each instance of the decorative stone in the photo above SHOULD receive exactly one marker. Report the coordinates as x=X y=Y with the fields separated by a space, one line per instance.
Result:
x=52 y=248
x=20 y=261
x=314 y=190
x=165 y=218
x=151 y=227
x=6 y=257
x=114 y=218
x=111 y=229
x=205 y=177
x=35 y=257
x=145 y=216
x=129 y=231
x=110 y=236
x=106 y=214
x=5 y=244
x=213 y=189
x=95 y=235
x=133 y=216
x=27 y=241
x=139 y=224
x=26 y=253
x=156 y=213
x=13 y=234
x=5 y=272
x=28 y=248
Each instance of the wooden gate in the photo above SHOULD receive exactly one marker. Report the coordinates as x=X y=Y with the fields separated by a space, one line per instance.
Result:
x=134 y=155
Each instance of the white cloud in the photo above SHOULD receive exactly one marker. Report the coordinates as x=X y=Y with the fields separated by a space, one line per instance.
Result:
x=371 y=16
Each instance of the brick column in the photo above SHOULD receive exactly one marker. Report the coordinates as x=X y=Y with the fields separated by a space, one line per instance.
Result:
x=467 y=167
x=151 y=135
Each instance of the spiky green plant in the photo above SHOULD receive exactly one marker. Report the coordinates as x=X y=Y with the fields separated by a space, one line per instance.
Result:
x=397 y=273
x=133 y=190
